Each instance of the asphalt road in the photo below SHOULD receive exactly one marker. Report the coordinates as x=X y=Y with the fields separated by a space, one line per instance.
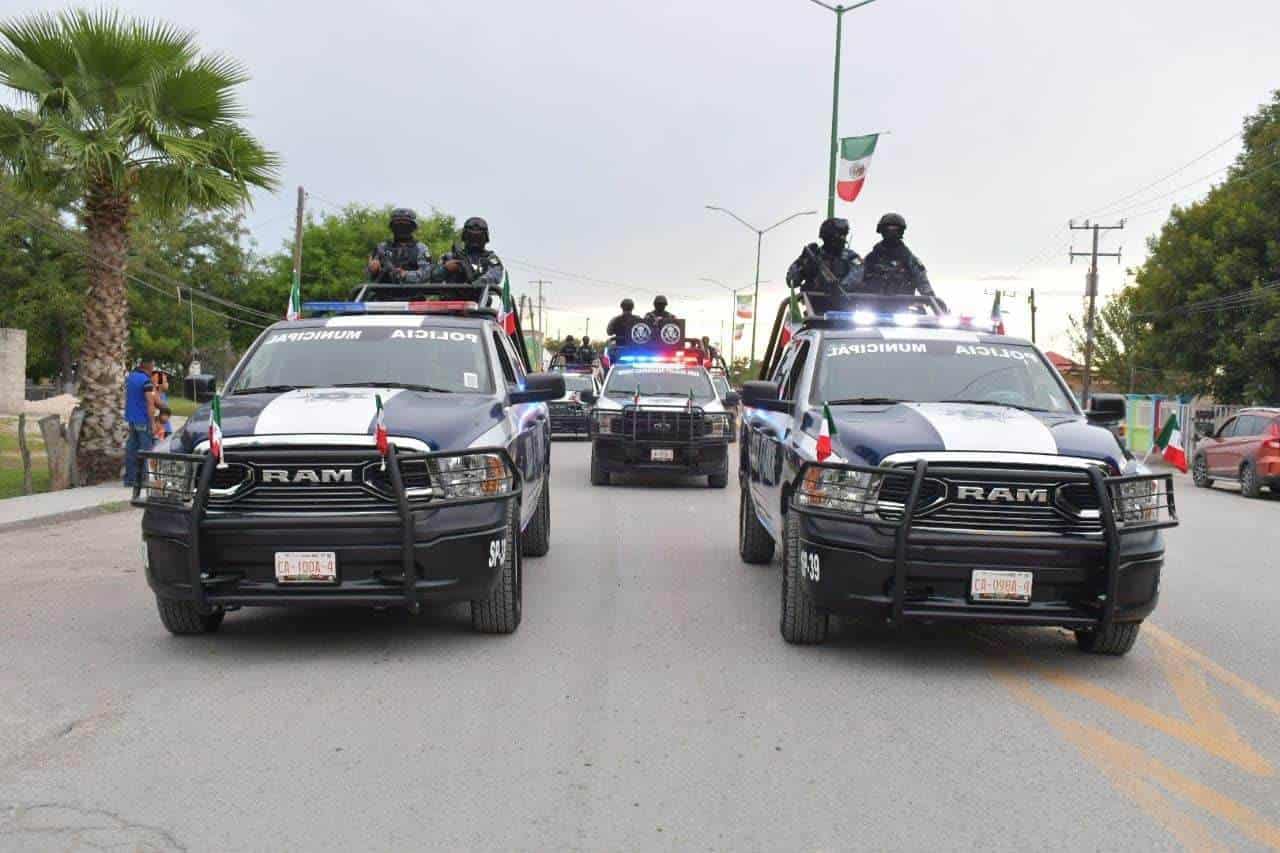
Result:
x=646 y=702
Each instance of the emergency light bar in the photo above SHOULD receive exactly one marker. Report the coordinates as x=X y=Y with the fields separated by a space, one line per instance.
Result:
x=907 y=320
x=674 y=358
x=422 y=306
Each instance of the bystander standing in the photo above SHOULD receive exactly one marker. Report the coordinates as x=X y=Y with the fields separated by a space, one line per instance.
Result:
x=139 y=406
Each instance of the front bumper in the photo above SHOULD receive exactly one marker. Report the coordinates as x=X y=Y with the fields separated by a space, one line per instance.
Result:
x=888 y=570
x=403 y=558
x=620 y=455
x=570 y=422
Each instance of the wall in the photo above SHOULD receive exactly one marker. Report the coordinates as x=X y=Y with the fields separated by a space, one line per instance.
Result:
x=13 y=370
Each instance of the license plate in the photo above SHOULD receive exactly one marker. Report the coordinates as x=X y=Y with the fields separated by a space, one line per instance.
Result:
x=1001 y=586
x=306 y=567
x=662 y=455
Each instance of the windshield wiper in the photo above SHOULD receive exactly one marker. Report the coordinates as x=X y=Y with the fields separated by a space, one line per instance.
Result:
x=997 y=403
x=269 y=389
x=617 y=392
x=867 y=401
x=408 y=386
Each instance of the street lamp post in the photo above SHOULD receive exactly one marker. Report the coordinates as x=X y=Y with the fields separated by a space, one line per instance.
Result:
x=835 y=99
x=760 y=232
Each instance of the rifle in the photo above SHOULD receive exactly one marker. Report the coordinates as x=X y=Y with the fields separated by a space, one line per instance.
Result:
x=827 y=275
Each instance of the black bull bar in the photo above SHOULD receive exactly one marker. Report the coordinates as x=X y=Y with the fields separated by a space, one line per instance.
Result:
x=1158 y=513
x=188 y=492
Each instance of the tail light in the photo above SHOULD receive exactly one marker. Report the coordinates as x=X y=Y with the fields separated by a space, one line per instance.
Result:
x=1273 y=437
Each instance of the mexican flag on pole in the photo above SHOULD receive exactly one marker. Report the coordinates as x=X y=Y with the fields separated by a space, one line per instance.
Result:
x=215 y=431
x=508 y=315
x=825 y=432
x=855 y=159
x=380 y=431
x=688 y=407
x=737 y=330
x=997 y=316
x=794 y=319
x=1170 y=443
x=294 y=310
x=744 y=306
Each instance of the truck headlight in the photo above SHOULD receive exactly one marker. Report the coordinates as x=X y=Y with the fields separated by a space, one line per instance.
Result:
x=840 y=490
x=170 y=479
x=471 y=475
x=608 y=422
x=1136 y=502
x=717 y=425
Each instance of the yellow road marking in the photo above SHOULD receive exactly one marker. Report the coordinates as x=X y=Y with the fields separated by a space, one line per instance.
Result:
x=1226 y=676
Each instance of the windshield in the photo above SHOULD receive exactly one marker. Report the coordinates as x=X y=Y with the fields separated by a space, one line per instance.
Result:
x=438 y=359
x=722 y=385
x=654 y=381
x=934 y=371
x=577 y=382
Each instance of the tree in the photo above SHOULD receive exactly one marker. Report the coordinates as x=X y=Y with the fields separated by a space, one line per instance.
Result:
x=130 y=115
x=1116 y=340
x=1210 y=288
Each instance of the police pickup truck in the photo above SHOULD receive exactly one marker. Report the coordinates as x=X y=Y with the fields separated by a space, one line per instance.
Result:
x=914 y=467
x=381 y=454
x=569 y=414
x=659 y=412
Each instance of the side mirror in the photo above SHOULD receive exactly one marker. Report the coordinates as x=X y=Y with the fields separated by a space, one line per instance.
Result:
x=732 y=398
x=764 y=395
x=588 y=397
x=1105 y=408
x=538 y=388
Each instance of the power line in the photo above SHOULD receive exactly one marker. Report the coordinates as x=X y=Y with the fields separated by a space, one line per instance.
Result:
x=1239 y=299
x=1172 y=174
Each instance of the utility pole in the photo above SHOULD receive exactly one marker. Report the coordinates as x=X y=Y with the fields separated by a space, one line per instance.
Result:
x=1031 y=300
x=1092 y=294
x=542 y=310
x=586 y=331
x=297 y=239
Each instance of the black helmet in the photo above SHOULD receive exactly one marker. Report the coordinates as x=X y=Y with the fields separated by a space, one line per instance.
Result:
x=628 y=305
x=570 y=339
x=404 y=215
x=834 y=229
x=475 y=231
x=659 y=303
x=890 y=220
x=585 y=340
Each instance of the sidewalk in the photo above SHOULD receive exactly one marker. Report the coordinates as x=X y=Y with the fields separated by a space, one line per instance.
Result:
x=45 y=507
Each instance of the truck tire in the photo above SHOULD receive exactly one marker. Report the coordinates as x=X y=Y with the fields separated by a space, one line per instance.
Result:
x=755 y=545
x=802 y=622
x=183 y=618
x=1250 y=487
x=1116 y=640
x=500 y=612
x=599 y=476
x=719 y=480
x=536 y=541
x=1200 y=472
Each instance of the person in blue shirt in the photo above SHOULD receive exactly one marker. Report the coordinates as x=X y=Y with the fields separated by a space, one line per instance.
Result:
x=139 y=403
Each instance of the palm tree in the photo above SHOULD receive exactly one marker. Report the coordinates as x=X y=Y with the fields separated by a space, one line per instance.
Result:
x=130 y=116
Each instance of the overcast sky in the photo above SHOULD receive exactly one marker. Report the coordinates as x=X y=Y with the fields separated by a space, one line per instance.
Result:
x=592 y=134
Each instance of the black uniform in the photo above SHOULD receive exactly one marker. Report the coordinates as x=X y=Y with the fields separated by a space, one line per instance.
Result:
x=587 y=354
x=480 y=266
x=892 y=269
x=620 y=326
x=655 y=317
x=408 y=261
x=818 y=270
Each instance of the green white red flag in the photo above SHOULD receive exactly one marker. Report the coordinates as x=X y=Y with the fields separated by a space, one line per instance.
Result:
x=688 y=407
x=795 y=319
x=508 y=306
x=855 y=160
x=1170 y=443
x=825 y=432
x=215 y=431
x=997 y=316
x=737 y=330
x=744 y=306
x=294 y=310
x=380 y=429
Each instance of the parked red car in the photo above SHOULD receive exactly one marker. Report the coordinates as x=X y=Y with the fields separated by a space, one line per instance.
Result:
x=1246 y=449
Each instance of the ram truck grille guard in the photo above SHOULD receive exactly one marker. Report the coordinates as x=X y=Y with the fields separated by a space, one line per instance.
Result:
x=181 y=482
x=1126 y=505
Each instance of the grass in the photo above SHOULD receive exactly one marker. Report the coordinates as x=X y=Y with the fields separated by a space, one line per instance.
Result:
x=11 y=458
x=11 y=478
x=183 y=407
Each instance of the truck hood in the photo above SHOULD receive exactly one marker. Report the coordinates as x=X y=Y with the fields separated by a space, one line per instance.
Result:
x=674 y=402
x=867 y=434
x=442 y=421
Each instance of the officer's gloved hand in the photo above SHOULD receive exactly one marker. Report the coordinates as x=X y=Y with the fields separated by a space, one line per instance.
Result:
x=452 y=265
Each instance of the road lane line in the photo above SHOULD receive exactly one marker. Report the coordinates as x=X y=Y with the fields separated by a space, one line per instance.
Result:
x=1189 y=832
x=1196 y=698
x=1226 y=676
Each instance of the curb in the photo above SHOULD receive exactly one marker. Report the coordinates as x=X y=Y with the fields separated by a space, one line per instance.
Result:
x=108 y=508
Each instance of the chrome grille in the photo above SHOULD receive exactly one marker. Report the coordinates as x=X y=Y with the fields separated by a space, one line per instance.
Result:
x=242 y=488
x=1071 y=507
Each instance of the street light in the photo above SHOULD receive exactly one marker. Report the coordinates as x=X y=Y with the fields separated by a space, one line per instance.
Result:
x=733 y=307
x=835 y=99
x=760 y=232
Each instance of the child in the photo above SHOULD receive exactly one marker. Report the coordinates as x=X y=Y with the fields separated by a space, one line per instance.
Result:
x=163 y=428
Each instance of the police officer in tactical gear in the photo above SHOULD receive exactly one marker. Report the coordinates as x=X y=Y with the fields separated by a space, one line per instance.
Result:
x=891 y=267
x=403 y=259
x=473 y=263
x=659 y=313
x=832 y=268
x=569 y=349
x=586 y=352
x=620 y=326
